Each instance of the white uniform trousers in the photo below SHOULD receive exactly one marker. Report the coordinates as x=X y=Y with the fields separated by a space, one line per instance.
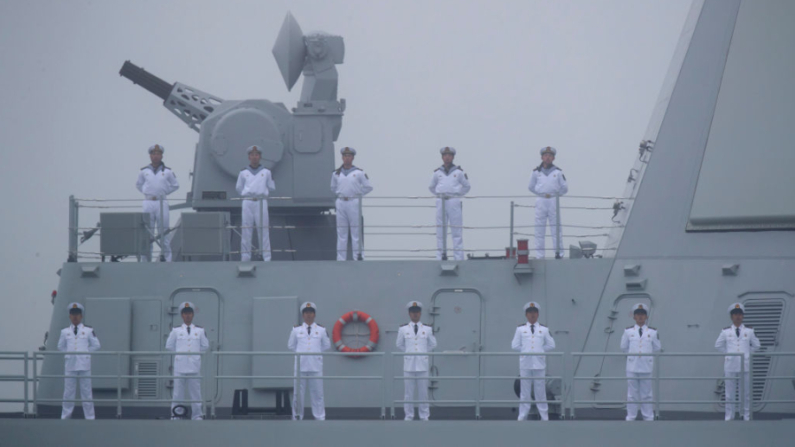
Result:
x=546 y=211
x=315 y=395
x=254 y=216
x=194 y=391
x=639 y=389
x=733 y=393
x=539 y=391
x=69 y=387
x=421 y=385
x=158 y=225
x=348 y=218
x=454 y=212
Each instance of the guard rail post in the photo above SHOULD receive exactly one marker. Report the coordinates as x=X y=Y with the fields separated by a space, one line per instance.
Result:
x=477 y=389
x=510 y=246
x=383 y=388
x=73 y=229
x=259 y=228
x=25 y=407
x=656 y=371
x=750 y=386
x=118 y=383
x=35 y=385
x=215 y=388
x=356 y=256
x=558 y=238
x=444 y=227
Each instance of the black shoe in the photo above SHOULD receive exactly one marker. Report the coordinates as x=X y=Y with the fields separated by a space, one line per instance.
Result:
x=558 y=256
x=360 y=258
x=162 y=258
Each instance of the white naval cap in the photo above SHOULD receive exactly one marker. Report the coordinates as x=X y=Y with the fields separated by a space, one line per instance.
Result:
x=308 y=305
x=549 y=149
x=640 y=306
x=533 y=304
x=156 y=147
x=187 y=305
x=348 y=151
x=447 y=150
x=736 y=306
x=75 y=306
x=253 y=148
x=414 y=304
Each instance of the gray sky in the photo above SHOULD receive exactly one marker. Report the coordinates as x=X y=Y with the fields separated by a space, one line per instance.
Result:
x=496 y=79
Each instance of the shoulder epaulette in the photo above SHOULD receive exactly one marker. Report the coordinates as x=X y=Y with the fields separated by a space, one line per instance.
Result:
x=198 y=326
x=542 y=325
x=521 y=324
x=727 y=327
x=749 y=327
x=244 y=169
x=144 y=167
x=630 y=327
x=93 y=328
x=404 y=325
x=653 y=328
x=297 y=325
x=321 y=325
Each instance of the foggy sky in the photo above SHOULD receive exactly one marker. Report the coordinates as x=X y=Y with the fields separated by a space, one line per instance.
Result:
x=496 y=79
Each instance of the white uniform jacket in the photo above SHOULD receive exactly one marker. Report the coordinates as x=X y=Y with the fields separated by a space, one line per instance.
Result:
x=156 y=183
x=355 y=184
x=253 y=182
x=452 y=183
x=179 y=340
x=728 y=342
x=633 y=342
x=552 y=183
x=524 y=340
x=314 y=340
x=422 y=341
x=85 y=341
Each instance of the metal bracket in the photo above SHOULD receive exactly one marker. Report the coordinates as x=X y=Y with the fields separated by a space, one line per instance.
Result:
x=449 y=269
x=730 y=269
x=632 y=270
x=89 y=271
x=246 y=270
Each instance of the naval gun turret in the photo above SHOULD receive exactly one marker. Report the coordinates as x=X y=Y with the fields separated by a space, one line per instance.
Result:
x=297 y=145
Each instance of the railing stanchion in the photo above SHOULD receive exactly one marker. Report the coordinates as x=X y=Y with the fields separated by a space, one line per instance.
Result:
x=383 y=387
x=361 y=231
x=477 y=388
x=35 y=385
x=118 y=386
x=750 y=386
x=656 y=386
x=25 y=408
x=215 y=361
x=444 y=227
x=510 y=246
x=558 y=239
x=73 y=229
x=392 y=400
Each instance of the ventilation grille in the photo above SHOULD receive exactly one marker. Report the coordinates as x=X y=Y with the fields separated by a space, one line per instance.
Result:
x=765 y=317
x=146 y=388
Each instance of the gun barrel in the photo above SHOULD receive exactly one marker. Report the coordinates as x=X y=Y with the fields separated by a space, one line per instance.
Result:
x=150 y=82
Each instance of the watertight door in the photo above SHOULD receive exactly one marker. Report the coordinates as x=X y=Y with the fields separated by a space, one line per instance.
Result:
x=456 y=319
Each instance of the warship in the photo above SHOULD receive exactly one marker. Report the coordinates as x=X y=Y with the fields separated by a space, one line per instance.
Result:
x=702 y=224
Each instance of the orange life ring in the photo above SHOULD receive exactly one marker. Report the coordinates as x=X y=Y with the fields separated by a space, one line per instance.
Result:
x=356 y=315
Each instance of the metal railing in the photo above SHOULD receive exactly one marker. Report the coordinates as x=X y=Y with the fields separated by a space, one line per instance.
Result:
x=655 y=378
x=572 y=228
x=477 y=378
x=567 y=398
x=118 y=376
x=297 y=375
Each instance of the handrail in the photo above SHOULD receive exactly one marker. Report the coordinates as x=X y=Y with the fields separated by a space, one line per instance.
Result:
x=567 y=398
x=568 y=230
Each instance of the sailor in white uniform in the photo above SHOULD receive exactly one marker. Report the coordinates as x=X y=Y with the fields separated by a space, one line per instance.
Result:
x=254 y=184
x=415 y=337
x=77 y=338
x=349 y=183
x=737 y=338
x=449 y=183
x=533 y=337
x=309 y=337
x=547 y=182
x=156 y=181
x=640 y=339
x=187 y=338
